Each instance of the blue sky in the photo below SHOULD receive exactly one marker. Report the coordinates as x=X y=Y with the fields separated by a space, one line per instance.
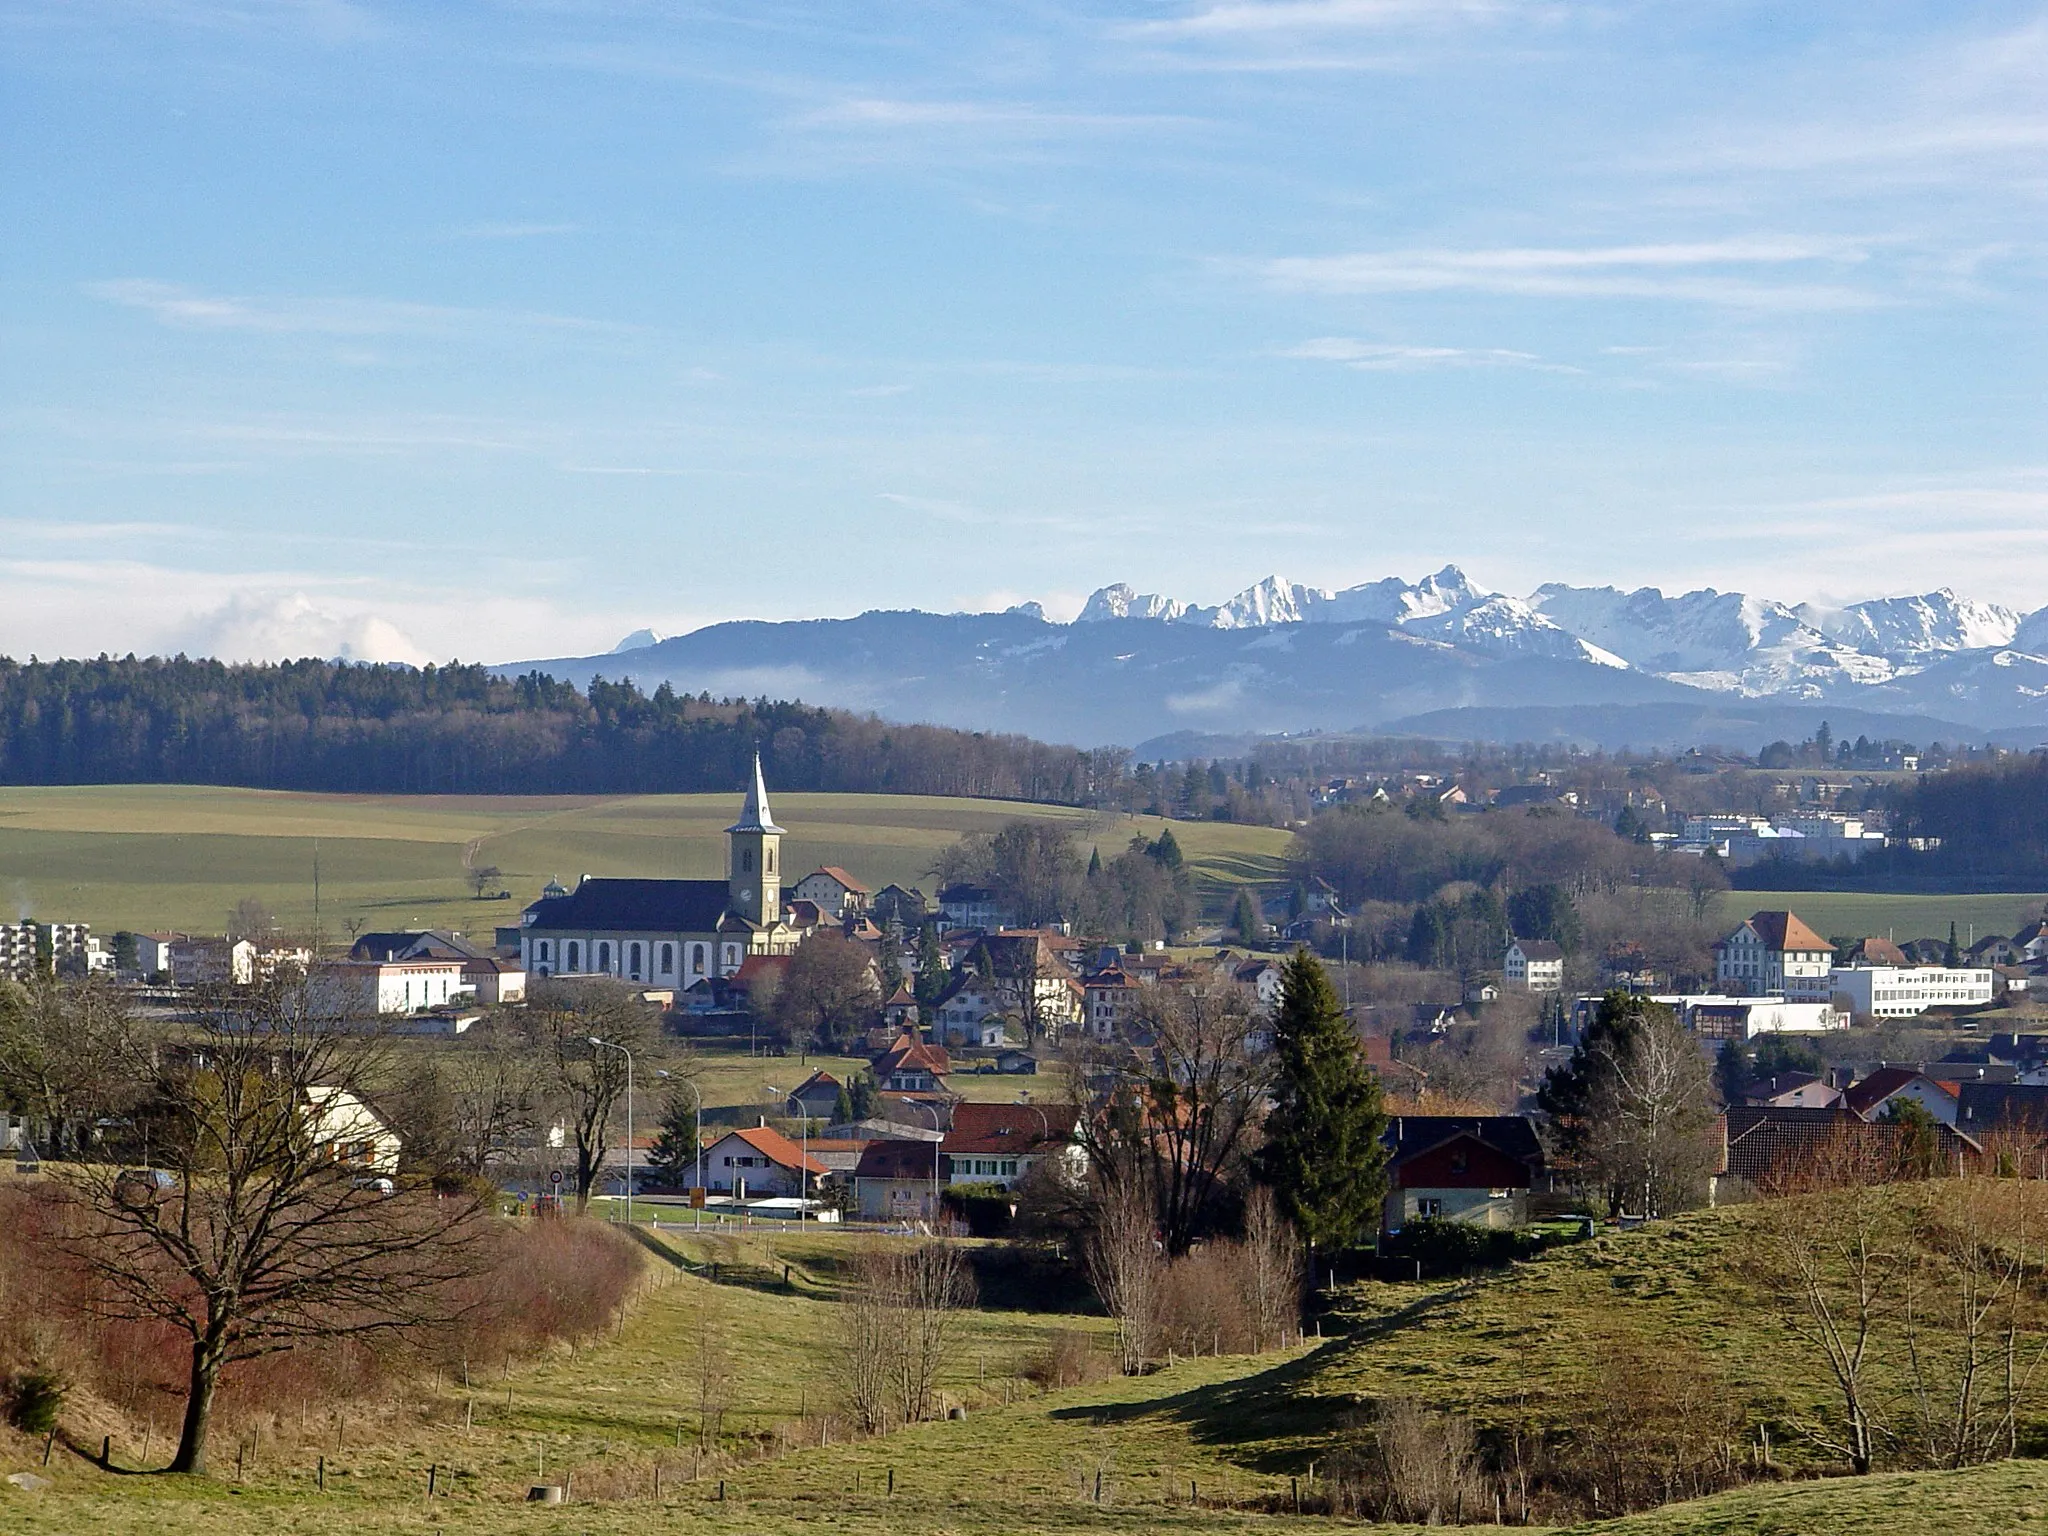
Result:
x=495 y=331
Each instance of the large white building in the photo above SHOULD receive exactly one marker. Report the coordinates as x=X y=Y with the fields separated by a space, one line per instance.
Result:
x=392 y=986
x=1775 y=954
x=1533 y=965
x=1901 y=992
x=672 y=933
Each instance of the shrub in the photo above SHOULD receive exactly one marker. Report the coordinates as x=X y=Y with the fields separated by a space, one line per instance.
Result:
x=34 y=1399
x=1069 y=1359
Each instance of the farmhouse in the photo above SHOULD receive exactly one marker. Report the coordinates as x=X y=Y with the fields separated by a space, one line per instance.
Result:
x=1533 y=965
x=1471 y=1168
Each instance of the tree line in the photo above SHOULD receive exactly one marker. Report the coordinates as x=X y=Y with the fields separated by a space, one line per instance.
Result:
x=460 y=729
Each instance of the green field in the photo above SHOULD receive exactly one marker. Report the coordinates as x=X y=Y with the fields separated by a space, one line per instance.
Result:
x=179 y=857
x=1238 y=1429
x=1854 y=914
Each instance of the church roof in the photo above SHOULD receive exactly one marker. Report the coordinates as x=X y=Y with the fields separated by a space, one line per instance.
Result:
x=755 y=815
x=636 y=906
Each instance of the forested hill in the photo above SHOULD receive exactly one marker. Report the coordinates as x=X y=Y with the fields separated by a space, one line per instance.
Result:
x=316 y=725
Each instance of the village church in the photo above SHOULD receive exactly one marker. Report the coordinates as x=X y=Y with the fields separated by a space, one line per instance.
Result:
x=671 y=933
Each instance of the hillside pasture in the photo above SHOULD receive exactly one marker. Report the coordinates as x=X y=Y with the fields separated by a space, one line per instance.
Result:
x=173 y=857
x=1866 y=914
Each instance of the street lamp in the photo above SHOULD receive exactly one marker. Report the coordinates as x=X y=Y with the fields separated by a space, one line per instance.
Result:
x=803 y=1171
x=697 y=1101
x=614 y=1045
x=939 y=1138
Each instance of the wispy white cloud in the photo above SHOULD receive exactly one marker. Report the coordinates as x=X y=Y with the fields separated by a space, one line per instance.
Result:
x=1388 y=357
x=1267 y=18
x=1687 y=271
x=174 y=304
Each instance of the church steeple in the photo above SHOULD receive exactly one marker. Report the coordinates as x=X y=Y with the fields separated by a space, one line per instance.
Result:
x=753 y=849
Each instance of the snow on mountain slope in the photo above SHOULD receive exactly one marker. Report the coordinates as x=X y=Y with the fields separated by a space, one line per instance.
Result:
x=1507 y=626
x=1730 y=641
x=1122 y=601
x=2032 y=634
x=1914 y=628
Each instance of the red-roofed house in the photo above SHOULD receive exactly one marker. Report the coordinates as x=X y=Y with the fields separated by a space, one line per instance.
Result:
x=1887 y=1085
x=757 y=1163
x=911 y=1066
x=1775 y=954
x=999 y=1143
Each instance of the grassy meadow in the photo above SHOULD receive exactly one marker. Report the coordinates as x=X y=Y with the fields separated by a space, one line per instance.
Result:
x=1239 y=1429
x=179 y=857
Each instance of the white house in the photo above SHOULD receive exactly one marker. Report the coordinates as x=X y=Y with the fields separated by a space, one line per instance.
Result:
x=969 y=1014
x=346 y=1130
x=1533 y=965
x=836 y=893
x=972 y=906
x=391 y=986
x=759 y=1162
x=1000 y=1143
x=1901 y=992
x=153 y=953
x=1774 y=953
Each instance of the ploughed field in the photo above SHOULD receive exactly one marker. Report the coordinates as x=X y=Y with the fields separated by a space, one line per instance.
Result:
x=178 y=857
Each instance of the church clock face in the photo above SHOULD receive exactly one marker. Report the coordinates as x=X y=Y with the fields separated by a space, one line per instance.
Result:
x=747 y=893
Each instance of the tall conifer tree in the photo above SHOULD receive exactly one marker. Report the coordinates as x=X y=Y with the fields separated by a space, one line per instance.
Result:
x=1322 y=1155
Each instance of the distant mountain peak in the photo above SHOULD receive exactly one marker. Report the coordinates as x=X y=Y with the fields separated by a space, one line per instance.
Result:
x=639 y=640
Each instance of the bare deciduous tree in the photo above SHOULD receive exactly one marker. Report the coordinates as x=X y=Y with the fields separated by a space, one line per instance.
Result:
x=1125 y=1266
x=1836 y=1266
x=262 y=1233
x=588 y=1082
x=1972 y=1318
x=1431 y=1463
x=60 y=1057
x=897 y=1321
x=1275 y=1268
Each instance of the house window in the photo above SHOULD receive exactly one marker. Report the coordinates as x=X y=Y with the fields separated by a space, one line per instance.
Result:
x=697 y=958
x=1429 y=1207
x=633 y=961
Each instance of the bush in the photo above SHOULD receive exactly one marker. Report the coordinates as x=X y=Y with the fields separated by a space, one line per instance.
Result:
x=34 y=1399
x=989 y=1210
x=1069 y=1359
x=1451 y=1247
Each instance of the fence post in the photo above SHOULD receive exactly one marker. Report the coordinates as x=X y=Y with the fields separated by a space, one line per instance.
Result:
x=433 y=1477
x=107 y=1455
x=320 y=1476
x=892 y=1479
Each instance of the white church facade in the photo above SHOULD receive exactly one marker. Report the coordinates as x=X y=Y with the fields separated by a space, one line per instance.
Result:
x=669 y=933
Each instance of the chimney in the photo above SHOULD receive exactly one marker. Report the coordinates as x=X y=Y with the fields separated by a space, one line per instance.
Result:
x=764 y=1123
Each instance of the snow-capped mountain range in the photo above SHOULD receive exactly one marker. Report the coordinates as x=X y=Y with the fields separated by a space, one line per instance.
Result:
x=1730 y=642
x=1440 y=657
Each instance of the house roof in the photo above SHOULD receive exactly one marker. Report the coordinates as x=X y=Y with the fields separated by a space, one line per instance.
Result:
x=1772 y=1087
x=1868 y=1095
x=1876 y=951
x=841 y=876
x=911 y=1053
x=1539 y=949
x=635 y=906
x=1784 y=930
x=802 y=912
x=2002 y=1106
x=777 y=1148
x=818 y=1079
x=895 y=1160
x=428 y=944
x=901 y=996
x=1008 y=1128
x=1762 y=1140
x=1514 y=1136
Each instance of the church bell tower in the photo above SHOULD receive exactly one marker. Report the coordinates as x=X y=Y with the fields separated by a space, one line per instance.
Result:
x=754 y=858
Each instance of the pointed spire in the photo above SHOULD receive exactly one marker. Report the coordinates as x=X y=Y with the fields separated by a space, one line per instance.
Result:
x=755 y=815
